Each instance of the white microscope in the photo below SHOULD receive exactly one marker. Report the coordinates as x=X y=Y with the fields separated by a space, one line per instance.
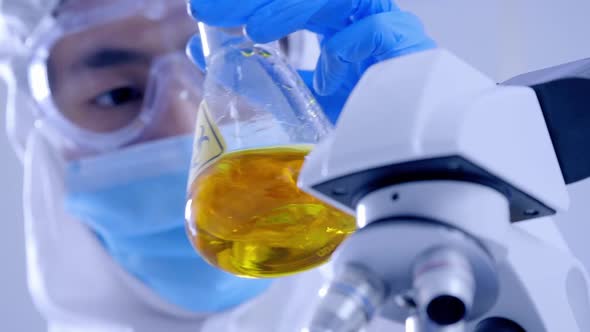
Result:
x=439 y=163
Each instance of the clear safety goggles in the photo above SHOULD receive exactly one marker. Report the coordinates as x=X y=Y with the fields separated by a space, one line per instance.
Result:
x=112 y=73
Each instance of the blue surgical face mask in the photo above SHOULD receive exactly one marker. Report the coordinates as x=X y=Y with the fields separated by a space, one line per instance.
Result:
x=133 y=200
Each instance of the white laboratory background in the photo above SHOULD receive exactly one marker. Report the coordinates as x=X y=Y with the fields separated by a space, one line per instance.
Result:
x=502 y=38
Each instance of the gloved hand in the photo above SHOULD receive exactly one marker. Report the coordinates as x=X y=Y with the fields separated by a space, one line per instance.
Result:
x=355 y=35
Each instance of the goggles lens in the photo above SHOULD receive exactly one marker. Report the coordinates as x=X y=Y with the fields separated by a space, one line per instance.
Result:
x=105 y=80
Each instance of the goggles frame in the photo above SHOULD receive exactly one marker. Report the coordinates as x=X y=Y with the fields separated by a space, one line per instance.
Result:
x=50 y=31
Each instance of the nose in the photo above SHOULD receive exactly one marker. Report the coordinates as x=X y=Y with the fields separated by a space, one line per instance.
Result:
x=172 y=98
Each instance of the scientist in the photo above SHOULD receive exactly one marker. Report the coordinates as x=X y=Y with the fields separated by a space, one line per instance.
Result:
x=101 y=106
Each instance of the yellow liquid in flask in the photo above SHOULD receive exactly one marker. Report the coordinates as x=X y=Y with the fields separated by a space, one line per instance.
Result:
x=248 y=217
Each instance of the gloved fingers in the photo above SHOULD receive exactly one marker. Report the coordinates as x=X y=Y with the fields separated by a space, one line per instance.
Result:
x=194 y=50
x=225 y=13
x=373 y=39
x=279 y=18
x=268 y=20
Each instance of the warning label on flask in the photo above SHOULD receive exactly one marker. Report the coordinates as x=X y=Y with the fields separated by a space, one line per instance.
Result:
x=208 y=146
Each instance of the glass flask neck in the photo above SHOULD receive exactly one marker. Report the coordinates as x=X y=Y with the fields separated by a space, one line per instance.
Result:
x=215 y=39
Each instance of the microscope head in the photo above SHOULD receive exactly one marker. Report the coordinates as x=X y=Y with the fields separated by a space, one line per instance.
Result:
x=429 y=116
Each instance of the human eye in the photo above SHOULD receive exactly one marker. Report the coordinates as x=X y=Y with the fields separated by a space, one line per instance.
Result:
x=119 y=97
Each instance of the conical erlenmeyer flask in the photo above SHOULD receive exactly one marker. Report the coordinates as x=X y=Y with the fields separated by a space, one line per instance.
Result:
x=256 y=124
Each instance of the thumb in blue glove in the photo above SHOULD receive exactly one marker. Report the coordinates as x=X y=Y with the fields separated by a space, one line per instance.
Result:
x=349 y=53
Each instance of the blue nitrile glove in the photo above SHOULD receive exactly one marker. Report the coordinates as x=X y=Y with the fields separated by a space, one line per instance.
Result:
x=355 y=35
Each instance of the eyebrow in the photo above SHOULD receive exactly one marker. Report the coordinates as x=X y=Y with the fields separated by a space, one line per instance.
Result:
x=111 y=57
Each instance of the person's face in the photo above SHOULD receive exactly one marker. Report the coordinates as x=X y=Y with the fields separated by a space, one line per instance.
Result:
x=99 y=76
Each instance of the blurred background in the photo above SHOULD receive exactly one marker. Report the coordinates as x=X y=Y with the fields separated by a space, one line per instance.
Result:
x=502 y=38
